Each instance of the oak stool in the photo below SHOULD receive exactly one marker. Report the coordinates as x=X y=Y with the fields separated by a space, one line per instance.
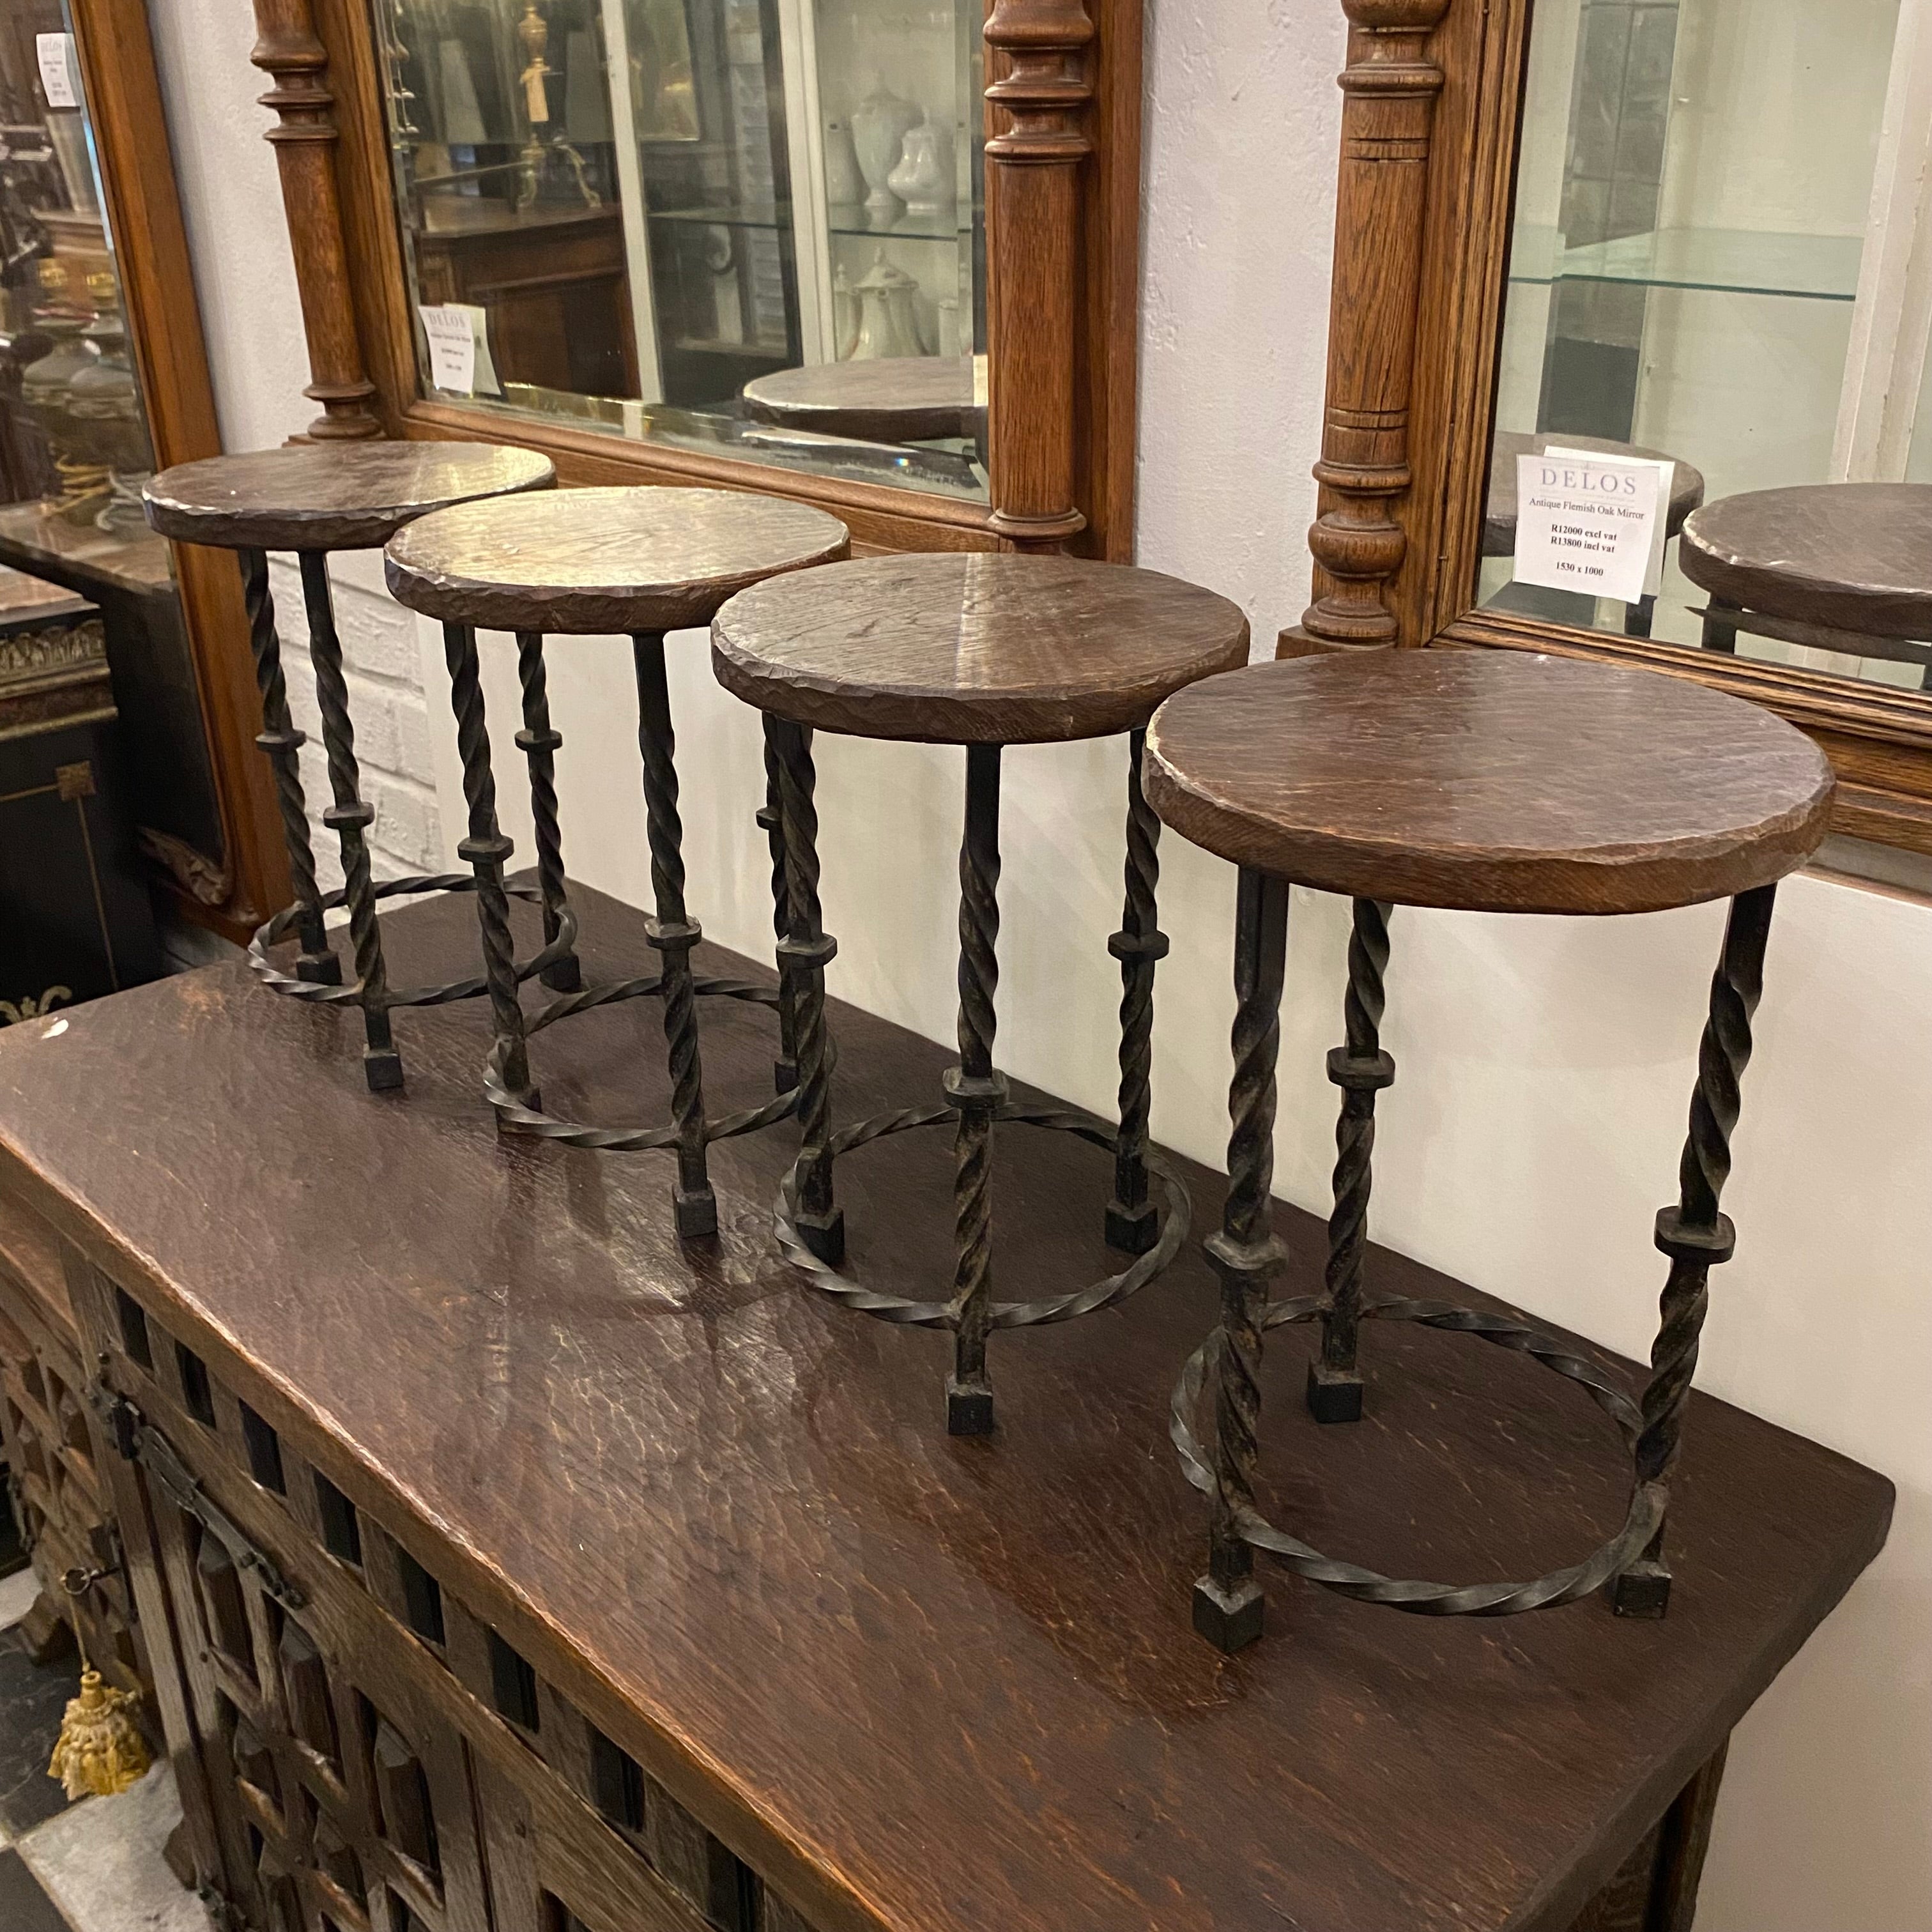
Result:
x=981 y=651
x=1840 y=567
x=586 y=562
x=315 y=499
x=1487 y=782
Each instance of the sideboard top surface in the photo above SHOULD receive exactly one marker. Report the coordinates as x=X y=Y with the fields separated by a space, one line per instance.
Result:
x=924 y=1684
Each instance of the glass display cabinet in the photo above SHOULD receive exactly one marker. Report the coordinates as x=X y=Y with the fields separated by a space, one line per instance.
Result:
x=765 y=243
x=102 y=379
x=1681 y=248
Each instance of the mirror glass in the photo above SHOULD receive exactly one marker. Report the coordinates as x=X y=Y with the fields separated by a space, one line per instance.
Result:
x=1709 y=297
x=75 y=548
x=752 y=227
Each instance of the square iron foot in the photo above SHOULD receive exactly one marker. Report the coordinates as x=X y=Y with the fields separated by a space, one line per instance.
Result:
x=565 y=976
x=969 y=1407
x=1334 y=1395
x=1229 y=1620
x=1133 y=1231
x=696 y=1214
x=824 y=1234
x=326 y=971
x=1643 y=1591
x=784 y=1076
x=382 y=1068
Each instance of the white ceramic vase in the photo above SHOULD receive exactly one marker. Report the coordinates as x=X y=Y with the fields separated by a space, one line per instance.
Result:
x=923 y=179
x=844 y=316
x=844 y=185
x=880 y=124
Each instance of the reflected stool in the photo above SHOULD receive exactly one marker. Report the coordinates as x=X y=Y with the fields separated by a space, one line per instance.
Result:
x=981 y=651
x=589 y=562
x=314 y=499
x=1840 y=567
x=1486 y=781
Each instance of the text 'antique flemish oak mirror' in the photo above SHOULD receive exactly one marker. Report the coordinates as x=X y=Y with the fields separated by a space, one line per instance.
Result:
x=1677 y=247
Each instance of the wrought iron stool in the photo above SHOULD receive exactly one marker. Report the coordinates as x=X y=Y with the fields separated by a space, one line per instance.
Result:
x=315 y=499
x=1488 y=782
x=980 y=651
x=587 y=563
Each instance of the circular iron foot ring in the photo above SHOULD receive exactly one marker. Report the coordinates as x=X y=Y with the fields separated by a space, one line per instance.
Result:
x=514 y=1114
x=285 y=922
x=1423 y=1599
x=1107 y=1293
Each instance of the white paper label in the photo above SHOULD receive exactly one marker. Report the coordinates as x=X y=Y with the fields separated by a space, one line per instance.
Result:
x=452 y=347
x=1587 y=523
x=1666 y=477
x=55 y=53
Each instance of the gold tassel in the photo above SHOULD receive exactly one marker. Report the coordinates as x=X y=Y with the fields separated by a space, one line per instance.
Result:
x=100 y=1752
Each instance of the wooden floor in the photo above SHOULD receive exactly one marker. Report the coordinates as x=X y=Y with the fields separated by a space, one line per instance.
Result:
x=919 y=1682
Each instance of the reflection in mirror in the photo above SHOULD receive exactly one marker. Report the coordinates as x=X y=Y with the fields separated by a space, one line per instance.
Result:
x=752 y=227
x=1693 y=294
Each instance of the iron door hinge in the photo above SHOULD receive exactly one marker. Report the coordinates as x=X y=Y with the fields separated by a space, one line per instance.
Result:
x=140 y=1441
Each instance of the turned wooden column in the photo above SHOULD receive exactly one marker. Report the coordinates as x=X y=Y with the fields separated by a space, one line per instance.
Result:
x=1389 y=87
x=305 y=141
x=1038 y=49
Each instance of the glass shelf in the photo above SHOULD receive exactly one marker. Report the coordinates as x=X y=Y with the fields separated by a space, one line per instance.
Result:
x=846 y=218
x=1726 y=261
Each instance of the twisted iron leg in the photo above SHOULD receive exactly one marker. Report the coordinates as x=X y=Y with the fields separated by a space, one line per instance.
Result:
x=1132 y=1220
x=538 y=742
x=804 y=952
x=280 y=740
x=1694 y=1233
x=771 y=822
x=486 y=849
x=674 y=933
x=977 y=1091
x=1361 y=1070
x=1247 y=1254
x=382 y=1065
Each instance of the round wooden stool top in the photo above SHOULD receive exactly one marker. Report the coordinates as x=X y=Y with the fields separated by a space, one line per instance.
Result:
x=586 y=561
x=1490 y=781
x=1854 y=555
x=331 y=496
x=980 y=649
x=885 y=398
x=1687 y=484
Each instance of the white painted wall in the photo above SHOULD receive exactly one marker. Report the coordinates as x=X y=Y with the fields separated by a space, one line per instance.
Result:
x=1545 y=1063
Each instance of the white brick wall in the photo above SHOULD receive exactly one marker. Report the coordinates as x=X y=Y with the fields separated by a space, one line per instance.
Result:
x=386 y=702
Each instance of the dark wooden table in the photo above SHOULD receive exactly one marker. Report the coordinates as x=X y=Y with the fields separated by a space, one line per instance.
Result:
x=1842 y=567
x=916 y=1682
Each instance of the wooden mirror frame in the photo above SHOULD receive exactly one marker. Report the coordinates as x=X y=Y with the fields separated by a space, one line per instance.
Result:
x=1063 y=244
x=232 y=892
x=1432 y=96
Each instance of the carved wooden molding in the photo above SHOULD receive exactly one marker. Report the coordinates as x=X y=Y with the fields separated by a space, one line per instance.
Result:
x=305 y=140
x=1390 y=88
x=1034 y=254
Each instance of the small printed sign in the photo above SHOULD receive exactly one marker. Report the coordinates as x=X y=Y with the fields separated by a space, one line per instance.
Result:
x=452 y=347
x=55 y=52
x=1591 y=523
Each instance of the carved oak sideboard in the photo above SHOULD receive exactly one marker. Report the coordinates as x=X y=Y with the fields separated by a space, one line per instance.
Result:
x=507 y=1567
